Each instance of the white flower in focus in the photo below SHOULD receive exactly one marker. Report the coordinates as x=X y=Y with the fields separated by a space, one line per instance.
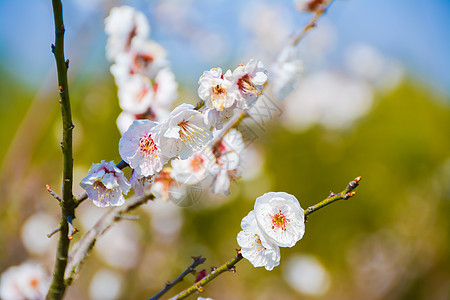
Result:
x=215 y=89
x=184 y=132
x=310 y=6
x=141 y=184
x=138 y=148
x=194 y=169
x=136 y=94
x=280 y=218
x=105 y=184
x=249 y=81
x=286 y=72
x=26 y=281
x=122 y=25
x=255 y=247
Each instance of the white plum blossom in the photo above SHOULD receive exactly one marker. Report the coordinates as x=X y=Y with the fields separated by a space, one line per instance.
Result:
x=26 y=281
x=141 y=184
x=122 y=25
x=310 y=6
x=138 y=148
x=194 y=169
x=280 y=218
x=286 y=72
x=166 y=188
x=165 y=88
x=216 y=118
x=216 y=89
x=136 y=94
x=105 y=184
x=184 y=132
x=249 y=81
x=228 y=162
x=147 y=57
x=255 y=247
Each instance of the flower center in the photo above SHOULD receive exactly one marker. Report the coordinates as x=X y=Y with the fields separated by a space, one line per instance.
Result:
x=147 y=146
x=34 y=282
x=197 y=163
x=218 y=90
x=246 y=85
x=279 y=220
x=192 y=135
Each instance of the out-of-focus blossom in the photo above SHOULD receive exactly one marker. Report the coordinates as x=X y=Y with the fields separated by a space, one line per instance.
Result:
x=216 y=118
x=280 y=218
x=166 y=219
x=194 y=169
x=306 y=274
x=138 y=148
x=255 y=247
x=216 y=89
x=34 y=233
x=228 y=162
x=184 y=132
x=106 y=284
x=328 y=98
x=166 y=188
x=310 y=6
x=249 y=81
x=286 y=72
x=136 y=94
x=367 y=63
x=165 y=88
x=122 y=25
x=105 y=184
x=119 y=246
x=147 y=57
x=26 y=281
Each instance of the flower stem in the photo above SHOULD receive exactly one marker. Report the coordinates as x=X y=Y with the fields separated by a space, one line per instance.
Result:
x=58 y=286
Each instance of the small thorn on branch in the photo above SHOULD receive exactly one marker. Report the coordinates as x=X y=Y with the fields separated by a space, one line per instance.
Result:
x=53 y=48
x=67 y=64
x=54 y=195
x=49 y=235
x=331 y=194
x=349 y=194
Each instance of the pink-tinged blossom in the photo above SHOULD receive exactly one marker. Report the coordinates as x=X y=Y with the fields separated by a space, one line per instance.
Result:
x=216 y=89
x=105 y=184
x=26 y=281
x=254 y=245
x=165 y=88
x=194 y=169
x=249 y=81
x=138 y=148
x=280 y=218
x=136 y=94
x=147 y=57
x=184 y=132
x=310 y=6
x=122 y=25
x=228 y=162
x=166 y=188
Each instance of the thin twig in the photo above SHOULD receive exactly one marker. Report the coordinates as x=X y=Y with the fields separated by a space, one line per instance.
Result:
x=191 y=269
x=52 y=192
x=49 y=235
x=347 y=193
x=58 y=285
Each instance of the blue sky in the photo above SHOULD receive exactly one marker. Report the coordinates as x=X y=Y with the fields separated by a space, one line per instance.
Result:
x=415 y=32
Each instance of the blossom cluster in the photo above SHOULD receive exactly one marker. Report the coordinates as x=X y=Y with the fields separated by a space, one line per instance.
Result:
x=146 y=84
x=276 y=221
x=188 y=137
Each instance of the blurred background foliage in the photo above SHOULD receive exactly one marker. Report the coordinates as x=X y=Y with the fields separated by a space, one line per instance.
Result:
x=390 y=241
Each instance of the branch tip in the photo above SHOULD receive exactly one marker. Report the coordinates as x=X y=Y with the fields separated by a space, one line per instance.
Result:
x=54 y=195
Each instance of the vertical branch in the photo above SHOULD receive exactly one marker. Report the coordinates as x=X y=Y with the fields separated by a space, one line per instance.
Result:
x=58 y=286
